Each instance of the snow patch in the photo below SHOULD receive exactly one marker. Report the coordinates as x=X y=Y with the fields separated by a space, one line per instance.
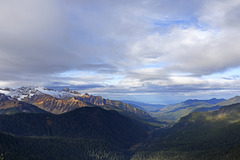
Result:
x=28 y=92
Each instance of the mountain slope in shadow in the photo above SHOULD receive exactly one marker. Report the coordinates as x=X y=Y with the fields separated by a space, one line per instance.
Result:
x=86 y=122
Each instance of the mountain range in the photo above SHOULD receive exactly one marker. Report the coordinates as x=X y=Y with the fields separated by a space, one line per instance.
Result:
x=173 y=113
x=41 y=123
x=58 y=102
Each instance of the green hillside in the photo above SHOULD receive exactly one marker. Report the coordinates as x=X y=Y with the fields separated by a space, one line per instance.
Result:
x=230 y=101
x=173 y=113
x=199 y=135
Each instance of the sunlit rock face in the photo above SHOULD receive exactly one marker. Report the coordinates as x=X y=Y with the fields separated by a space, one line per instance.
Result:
x=58 y=102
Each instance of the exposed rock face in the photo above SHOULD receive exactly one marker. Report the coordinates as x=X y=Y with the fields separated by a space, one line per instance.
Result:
x=99 y=101
x=10 y=106
x=55 y=105
x=96 y=100
x=58 y=106
x=66 y=100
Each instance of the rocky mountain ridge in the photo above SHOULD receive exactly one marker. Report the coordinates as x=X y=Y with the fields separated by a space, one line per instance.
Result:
x=11 y=106
x=58 y=102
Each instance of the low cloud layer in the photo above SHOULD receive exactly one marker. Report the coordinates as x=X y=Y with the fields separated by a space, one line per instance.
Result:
x=156 y=49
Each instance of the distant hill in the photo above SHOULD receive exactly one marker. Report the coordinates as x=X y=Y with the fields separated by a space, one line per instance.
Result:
x=210 y=101
x=175 y=112
x=230 y=101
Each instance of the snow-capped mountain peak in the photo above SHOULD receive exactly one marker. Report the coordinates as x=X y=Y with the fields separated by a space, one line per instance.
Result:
x=28 y=92
x=65 y=93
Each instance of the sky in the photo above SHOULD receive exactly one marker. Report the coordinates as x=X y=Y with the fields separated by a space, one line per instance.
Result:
x=153 y=51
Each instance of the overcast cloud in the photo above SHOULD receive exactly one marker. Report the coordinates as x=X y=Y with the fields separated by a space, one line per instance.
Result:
x=158 y=51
